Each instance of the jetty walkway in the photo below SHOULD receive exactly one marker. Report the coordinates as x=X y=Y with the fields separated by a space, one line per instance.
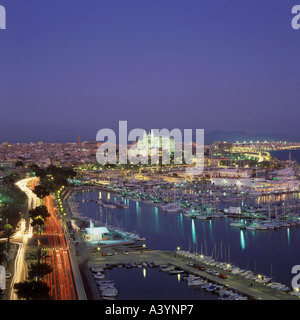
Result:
x=238 y=283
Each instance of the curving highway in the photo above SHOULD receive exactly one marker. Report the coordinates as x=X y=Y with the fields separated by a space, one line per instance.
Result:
x=22 y=235
x=33 y=200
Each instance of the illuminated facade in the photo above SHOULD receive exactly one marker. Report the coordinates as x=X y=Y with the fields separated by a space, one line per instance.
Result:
x=96 y=233
x=258 y=184
x=151 y=145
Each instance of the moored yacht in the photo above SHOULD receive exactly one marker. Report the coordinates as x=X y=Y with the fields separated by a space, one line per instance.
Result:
x=172 y=207
x=202 y=217
x=170 y=268
x=109 y=292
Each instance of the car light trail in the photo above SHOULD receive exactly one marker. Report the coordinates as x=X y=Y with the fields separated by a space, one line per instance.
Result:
x=62 y=273
x=60 y=280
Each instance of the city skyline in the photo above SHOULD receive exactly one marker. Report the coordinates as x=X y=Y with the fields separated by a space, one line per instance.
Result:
x=69 y=68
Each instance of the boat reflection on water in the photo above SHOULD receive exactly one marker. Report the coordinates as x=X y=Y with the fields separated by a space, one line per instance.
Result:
x=167 y=231
x=154 y=284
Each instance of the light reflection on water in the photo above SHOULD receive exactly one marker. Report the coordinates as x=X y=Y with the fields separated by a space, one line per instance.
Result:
x=194 y=232
x=243 y=244
x=167 y=231
x=150 y=283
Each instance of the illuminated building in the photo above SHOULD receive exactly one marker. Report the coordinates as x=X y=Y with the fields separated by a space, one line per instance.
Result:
x=151 y=145
x=96 y=233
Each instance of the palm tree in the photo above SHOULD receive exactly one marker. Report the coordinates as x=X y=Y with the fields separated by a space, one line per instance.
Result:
x=38 y=216
x=8 y=233
x=41 y=191
x=35 y=289
x=32 y=290
x=38 y=222
x=38 y=255
x=38 y=271
x=40 y=211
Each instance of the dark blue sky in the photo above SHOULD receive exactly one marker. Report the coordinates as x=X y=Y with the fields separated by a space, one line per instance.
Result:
x=69 y=67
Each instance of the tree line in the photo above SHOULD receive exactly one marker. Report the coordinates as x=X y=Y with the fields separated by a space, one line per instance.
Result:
x=52 y=179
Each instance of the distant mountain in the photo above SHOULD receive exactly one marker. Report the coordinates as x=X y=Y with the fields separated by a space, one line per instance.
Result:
x=234 y=136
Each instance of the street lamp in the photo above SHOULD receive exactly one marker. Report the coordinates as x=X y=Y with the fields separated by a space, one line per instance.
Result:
x=144 y=246
x=259 y=276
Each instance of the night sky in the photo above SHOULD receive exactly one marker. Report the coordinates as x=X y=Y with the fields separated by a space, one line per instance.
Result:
x=70 y=67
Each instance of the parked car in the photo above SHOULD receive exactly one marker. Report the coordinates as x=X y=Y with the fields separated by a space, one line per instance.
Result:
x=223 y=276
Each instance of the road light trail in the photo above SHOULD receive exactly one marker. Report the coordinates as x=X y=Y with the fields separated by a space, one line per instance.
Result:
x=62 y=273
x=33 y=200
x=20 y=270
x=21 y=238
x=61 y=279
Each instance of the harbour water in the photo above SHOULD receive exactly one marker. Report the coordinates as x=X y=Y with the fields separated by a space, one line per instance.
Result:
x=271 y=253
x=150 y=283
x=284 y=154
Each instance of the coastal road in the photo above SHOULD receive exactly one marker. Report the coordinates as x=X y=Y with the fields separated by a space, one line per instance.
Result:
x=33 y=200
x=53 y=239
x=20 y=267
x=21 y=237
x=61 y=279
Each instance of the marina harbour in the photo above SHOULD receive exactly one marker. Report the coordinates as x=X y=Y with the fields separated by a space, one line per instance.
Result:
x=262 y=253
x=143 y=282
x=180 y=271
